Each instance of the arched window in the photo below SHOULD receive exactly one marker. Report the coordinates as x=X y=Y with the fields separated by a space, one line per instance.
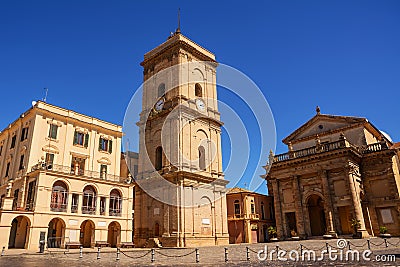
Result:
x=115 y=203
x=198 y=91
x=262 y=211
x=161 y=89
x=59 y=197
x=252 y=207
x=158 y=163
x=202 y=158
x=89 y=200
x=237 y=208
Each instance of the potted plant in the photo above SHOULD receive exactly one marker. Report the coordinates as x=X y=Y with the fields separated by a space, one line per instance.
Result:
x=272 y=233
x=383 y=232
x=294 y=235
x=355 y=224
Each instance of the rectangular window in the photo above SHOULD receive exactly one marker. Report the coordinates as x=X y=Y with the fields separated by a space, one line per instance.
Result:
x=105 y=145
x=81 y=139
x=21 y=163
x=49 y=159
x=103 y=171
x=31 y=196
x=15 y=200
x=102 y=206
x=7 y=169
x=24 y=133
x=74 y=206
x=13 y=140
x=2 y=201
x=1 y=150
x=53 y=131
x=78 y=166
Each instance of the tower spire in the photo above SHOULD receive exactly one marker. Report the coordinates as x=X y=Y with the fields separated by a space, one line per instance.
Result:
x=178 y=30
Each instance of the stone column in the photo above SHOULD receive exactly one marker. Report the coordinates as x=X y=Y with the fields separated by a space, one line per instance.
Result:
x=298 y=202
x=329 y=204
x=278 y=208
x=352 y=175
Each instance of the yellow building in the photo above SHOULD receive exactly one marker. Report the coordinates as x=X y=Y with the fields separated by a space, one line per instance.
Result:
x=60 y=181
x=249 y=216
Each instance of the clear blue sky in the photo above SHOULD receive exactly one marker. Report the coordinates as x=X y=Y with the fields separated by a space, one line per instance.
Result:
x=341 y=55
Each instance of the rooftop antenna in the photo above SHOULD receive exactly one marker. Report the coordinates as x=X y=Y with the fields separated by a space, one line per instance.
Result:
x=45 y=95
x=178 y=30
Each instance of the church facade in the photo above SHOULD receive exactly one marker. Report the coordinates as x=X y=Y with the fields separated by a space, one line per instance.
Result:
x=180 y=193
x=338 y=169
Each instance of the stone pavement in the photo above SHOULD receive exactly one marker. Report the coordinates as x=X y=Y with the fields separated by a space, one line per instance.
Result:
x=211 y=256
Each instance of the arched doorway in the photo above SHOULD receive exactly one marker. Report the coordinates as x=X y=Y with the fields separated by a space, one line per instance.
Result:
x=87 y=234
x=156 y=229
x=55 y=233
x=316 y=214
x=114 y=234
x=19 y=232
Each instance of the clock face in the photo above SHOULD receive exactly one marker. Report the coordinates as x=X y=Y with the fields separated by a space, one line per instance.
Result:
x=200 y=104
x=159 y=105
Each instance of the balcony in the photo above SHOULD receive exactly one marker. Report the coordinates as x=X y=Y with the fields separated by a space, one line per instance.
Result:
x=85 y=173
x=58 y=207
x=340 y=144
x=74 y=208
x=250 y=216
x=89 y=210
x=115 y=212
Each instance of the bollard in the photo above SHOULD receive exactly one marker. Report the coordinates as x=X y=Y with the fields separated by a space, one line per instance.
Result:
x=2 y=251
x=369 y=245
x=81 y=252
x=386 y=244
x=226 y=254
x=301 y=249
x=118 y=254
x=277 y=249
x=327 y=246
x=152 y=255
x=247 y=254
x=197 y=255
x=348 y=243
x=98 y=253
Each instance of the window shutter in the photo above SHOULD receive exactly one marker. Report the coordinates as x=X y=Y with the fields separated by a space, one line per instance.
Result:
x=100 y=143
x=110 y=146
x=86 y=140
x=75 y=138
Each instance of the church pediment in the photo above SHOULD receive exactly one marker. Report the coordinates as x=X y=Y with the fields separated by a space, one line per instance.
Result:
x=321 y=124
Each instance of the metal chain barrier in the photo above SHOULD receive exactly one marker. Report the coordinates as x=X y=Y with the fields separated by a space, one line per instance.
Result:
x=377 y=245
x=175 y=256
x=357 y=246
x=395 y=245
x=137 y=257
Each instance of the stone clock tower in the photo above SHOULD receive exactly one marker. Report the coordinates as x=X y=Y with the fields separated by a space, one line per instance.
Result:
x=180 y=197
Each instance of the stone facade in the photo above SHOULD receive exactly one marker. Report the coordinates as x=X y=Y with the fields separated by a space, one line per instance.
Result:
x=60 y=181
x=337 y=169
x=249 y=216
x=180 y=197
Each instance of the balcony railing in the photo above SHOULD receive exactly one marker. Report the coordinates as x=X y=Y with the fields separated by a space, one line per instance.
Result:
x=328 y=147
x=58 y=207
x=74 y=208
x=89 y=210
x=250 y=216
x=115 y=212
x=79 y=172
x=375 y=147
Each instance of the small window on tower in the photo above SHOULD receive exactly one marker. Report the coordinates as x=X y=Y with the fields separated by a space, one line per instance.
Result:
x=161 y=89
x=198 y=90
